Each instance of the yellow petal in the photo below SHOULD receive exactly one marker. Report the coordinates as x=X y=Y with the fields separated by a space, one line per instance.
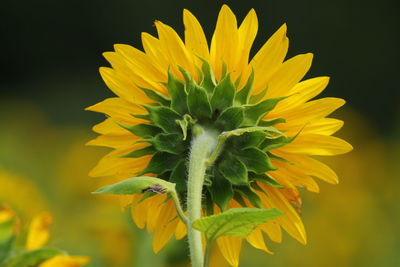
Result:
x=154 y=52
x=175 y=48
x=195 y=39
x=110 y=127
x=302 y=92
x=311 y=167
x=224 y=48
x=308 y=112
x=269 y=58
x=156 y=210
x=296 y=176
x=288 y=75
x=114 y=141
x=290 y=221
x=119 y=110
x=38 y=233
x=256 y=239
x=114 y=164
x=63 y=260
x=316 y=144
x=139 y=64
x=247 y=33
x=123 y=86
x=273 y=230
x=230 y=248
x=181 y=230
x=166 y=226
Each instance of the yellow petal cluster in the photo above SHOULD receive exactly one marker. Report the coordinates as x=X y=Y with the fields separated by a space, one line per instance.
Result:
x=230 y=45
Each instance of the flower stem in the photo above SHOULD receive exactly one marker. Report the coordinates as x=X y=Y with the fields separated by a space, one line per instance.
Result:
x=203 y=144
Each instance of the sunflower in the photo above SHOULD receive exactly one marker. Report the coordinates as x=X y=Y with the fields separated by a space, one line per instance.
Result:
x=164 y=92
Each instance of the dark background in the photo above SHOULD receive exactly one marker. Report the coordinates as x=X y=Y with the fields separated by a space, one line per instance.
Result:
x=51 y=50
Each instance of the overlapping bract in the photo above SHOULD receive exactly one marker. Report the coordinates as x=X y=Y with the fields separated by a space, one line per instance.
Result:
x=164 y=90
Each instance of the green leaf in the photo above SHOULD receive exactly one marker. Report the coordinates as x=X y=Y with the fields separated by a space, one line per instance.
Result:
x=254 y=113
x=32 y=257
x=239 y=222
x=176 y=90
x=160 y=163
x=221 y=191
x=230 y=118
x=165 y=118
x=243 y=96
x=255 y=160
x=178 y=176
x=208 y=81
x=266 y=179
x=198 y=103
x=7 y=238
x=233 y=169
x=170 y=142
x=185 y=123
x=223 y=95
x=247 y=192
x=156 y=96
x=148 y=150
x=143 y=130
x=249 y=139
x=277 y=158
x=137 y=185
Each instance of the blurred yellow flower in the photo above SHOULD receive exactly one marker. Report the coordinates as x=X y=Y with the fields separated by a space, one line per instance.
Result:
x=65 y=261
x=38 y=233
x=150 y=118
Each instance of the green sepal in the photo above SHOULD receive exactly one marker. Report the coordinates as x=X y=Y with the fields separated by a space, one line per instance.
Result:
x=176 y=90
x=248 y=193
x=167 y=142
x=137 y=185
x=142 y=116
x=239 y=199
x=249 y=139
x=223 y=95
x=255 y=160
x=198 y=102
x=156 y=96
x=254 y=113
x=178 y=176
x=277 y=158
x=185 y=123
x=208 y=82
x=209 y=204
x=143 y=130
x=258 y=97
x=271 y=122
x=243 y=96
x=230 y=118
x=224 y=70
x=233 y=169
x=29 y=258
x=165 y=118
x=221 y=191
x=239 y=222
x=276 y=142
x=148 y=150
x=266 y=179
x=160 y=163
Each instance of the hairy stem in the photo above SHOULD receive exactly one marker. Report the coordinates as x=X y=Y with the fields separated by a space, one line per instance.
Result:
x=203 y=144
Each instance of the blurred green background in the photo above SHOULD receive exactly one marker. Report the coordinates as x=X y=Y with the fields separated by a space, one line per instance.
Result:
x=51 y=51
